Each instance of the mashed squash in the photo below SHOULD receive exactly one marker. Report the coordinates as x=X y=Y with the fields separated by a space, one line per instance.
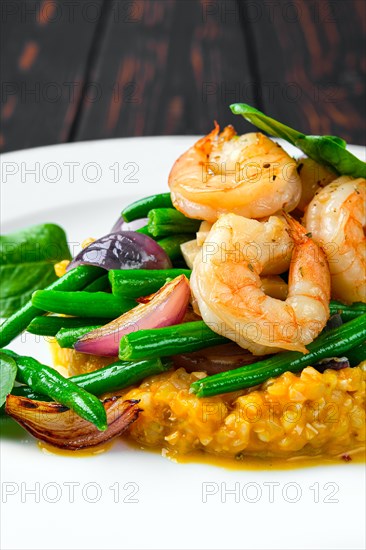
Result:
x=313 y=413
x=310 y=414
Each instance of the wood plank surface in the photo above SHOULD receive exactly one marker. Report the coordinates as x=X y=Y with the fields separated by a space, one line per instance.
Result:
x=311 y=63
x=83 y=69
x=166 y=67
x=44 y=55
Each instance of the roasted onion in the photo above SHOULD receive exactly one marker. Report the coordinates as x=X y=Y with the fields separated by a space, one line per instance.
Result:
x=59 y=426
x=166 y=307
x=216 y=359
x=123 y=250
x=334 y=363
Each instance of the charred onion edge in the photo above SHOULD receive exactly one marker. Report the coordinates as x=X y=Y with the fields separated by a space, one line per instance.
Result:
x=28 y=413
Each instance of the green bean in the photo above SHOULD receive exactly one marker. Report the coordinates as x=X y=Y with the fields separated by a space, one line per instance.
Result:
x=45 y=380
x=164 y=222
x=26 y=391
x=134 y=283
x=113 y=377
x=120 y=375
x=75 y=279
x=347 y=312
x=162 y=342
x=49 y=326
x=101 y=284
x=145 y=231
x=171 y=245
x=356 y=355
x=334 y=343
x=140 y=208
x=329 y=150
x=81 y=304
x=66 y=337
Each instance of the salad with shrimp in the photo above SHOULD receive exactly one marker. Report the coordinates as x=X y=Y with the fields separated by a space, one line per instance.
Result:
x=226 y=316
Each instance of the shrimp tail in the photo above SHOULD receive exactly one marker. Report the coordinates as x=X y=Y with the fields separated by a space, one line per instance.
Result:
x=296 y=231
x=307 y=253
x=204 y=145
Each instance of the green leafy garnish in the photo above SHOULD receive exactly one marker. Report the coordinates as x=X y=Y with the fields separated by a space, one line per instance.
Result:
x=8 y=371
x=26 y=263
x=328 y=150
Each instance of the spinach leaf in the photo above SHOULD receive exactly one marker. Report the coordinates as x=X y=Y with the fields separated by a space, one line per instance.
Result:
x=34 y=244
x=329 y=150
x=8 y=371
x=26 y=263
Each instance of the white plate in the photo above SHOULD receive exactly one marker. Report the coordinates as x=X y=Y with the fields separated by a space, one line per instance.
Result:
x=128 y=498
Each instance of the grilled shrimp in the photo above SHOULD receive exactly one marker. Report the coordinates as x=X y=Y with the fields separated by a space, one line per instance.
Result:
x=249 y=175
x=278 y=249
x=226 y=285
x=336 y=218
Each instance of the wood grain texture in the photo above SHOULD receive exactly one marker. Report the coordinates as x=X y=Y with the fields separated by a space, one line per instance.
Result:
x=45 y=47
x=311 y=63
x=163 y=69
x=88 y=69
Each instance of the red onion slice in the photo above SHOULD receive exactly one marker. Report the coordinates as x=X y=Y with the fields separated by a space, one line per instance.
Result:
x=124 y=250
x=61 y=427
x=167 y=307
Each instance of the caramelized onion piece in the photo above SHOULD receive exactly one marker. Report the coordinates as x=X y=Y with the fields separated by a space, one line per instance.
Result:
x=334 y=363
x=61 y=427
x=215 y=359
x=166 y=307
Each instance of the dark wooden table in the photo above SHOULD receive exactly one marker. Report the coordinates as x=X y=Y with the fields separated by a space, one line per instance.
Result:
x=82 y=69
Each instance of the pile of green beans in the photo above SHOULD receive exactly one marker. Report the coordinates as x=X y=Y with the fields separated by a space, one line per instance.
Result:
x=335 y=343
x=84 y=293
